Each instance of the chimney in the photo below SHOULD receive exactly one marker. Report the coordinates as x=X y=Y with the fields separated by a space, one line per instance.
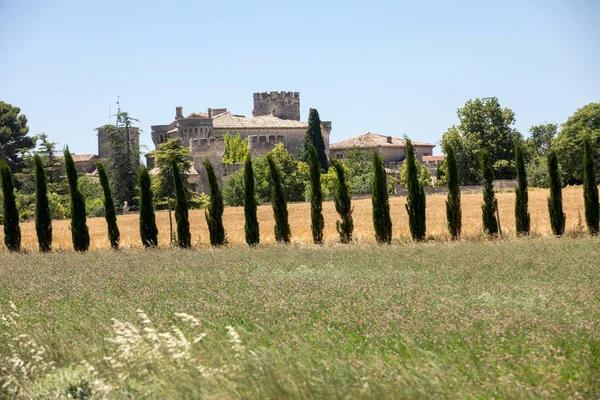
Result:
x=273 y=112
x=210 y=113
x=178 y=112
x=389 y=139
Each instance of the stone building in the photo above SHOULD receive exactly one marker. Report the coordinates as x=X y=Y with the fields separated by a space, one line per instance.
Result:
x=275 y=119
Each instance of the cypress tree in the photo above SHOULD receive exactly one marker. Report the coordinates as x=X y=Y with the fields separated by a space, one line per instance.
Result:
x=10 y=219
x=316 y=196
x=343 y=204
x=314 y=136
x=279 y=203
x=214 y=211
x=79 y=230
x=109 y=207
x=590 y=188
x=453 y=208
x=415 y=202
x=381 y=205
x=251 y=227
x=43 y=219
x=148 y=229
x=490 y=224
x=522 y=217
x=555 y=208
x=184 y=238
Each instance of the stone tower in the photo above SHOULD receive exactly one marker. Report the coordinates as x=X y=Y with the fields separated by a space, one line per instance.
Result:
x=284 y=105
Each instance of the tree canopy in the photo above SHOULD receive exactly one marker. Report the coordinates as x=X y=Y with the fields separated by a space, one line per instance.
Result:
x=162 y=184
x=236 y=149
x=13 y=136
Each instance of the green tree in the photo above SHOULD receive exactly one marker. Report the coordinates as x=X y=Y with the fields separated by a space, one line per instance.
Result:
x=315 y=137
x=278 y=202
x=43 y=219
x=251 y=227
x=490 y=223
x=214 y=211
x=415 y=202
x=13 y=136
x=343 y=204
x=148 y=229
x=110 y=214
x=484 y=124
x=316 y=196
x=555 y=208
x=453 y=207
x=569 y=142
x=10 y=218
x=522 y=217
x=381 y=205
x=79 y=230
x=184 y=238
x=541 y=137
x=423 y=174
x=590 y=188
x=163 y=182
x=236 y=149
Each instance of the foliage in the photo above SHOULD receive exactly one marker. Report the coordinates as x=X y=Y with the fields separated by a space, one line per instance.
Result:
x=109 y=208
x=555 y=207
x=233 y=189
x=541 y=137
x=537 y=172
x=184 y=238
x=251 y=227
x=278 y=202
x=490 y=223
x=236 y=149
x=53 y=167
x=423 y=174
x=453 y=206
x=569 y=142
x=315 y=137
x=79 y=230
x=381 y=205
x=13 y=136
x=214 y=211
x=148 y=229
x=343 y=203
x=484 y=124
x=43 y=218
x=162 y=183
x=522 y=217
x=10 y=216
x=317 y=222
x=415 y=202
x=590 y=188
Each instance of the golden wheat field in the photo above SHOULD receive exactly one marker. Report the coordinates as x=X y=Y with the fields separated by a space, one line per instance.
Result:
x=299 y=216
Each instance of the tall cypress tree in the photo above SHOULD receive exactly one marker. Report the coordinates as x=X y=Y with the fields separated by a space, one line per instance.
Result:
x=415 y=202
x=109 y=207
x=148 y=229
x=314 y=136
x=381 y=205
x=214 y=212
x=343 y=204
x=43 y=219
x=184 y=238
x=10 y=219
x=251 y=227
x=522 y=217
x=555 y=208
x=79 y=230
x=590 y=188
x=316 y=196
x=279 y=203
x=453 y=208
x=490 y=224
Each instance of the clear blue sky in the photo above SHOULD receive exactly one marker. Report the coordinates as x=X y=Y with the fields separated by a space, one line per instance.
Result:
x=389 y=67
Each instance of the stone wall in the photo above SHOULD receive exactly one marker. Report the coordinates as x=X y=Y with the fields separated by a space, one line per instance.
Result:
x=284 y=105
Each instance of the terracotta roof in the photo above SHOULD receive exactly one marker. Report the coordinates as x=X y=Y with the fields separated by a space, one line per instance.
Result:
x=370 y=140
x=80 y=157
x=433 y=158
x=228 y=120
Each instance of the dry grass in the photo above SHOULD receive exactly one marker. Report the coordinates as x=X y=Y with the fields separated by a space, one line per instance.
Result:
x=299 y=214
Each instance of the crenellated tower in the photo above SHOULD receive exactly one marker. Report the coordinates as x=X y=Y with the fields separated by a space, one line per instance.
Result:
x=284 y=105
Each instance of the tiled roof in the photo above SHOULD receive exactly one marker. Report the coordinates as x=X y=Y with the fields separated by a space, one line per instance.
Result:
x=433 y=158
x=370 y=140
x=81 y=157
x=229 y=121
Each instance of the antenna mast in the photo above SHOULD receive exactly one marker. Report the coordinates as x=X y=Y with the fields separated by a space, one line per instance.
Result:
x=119 y=122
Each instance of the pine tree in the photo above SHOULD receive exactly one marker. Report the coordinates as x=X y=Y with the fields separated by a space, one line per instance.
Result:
x=148 y=229
x=79 y=230
x=555 y=208
x=251 y=227
x=10 y=219
x=381 y=205
x=109 y=208
x=343 y=204
x=415 y=202
x=43 y=219
x=279 y=203
x=214 y=211
x=316 y=196
x=314 y=136
x=522 y=217
x=184 y=238
x=490 y=224
x=453 y=208
x=590 y=188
